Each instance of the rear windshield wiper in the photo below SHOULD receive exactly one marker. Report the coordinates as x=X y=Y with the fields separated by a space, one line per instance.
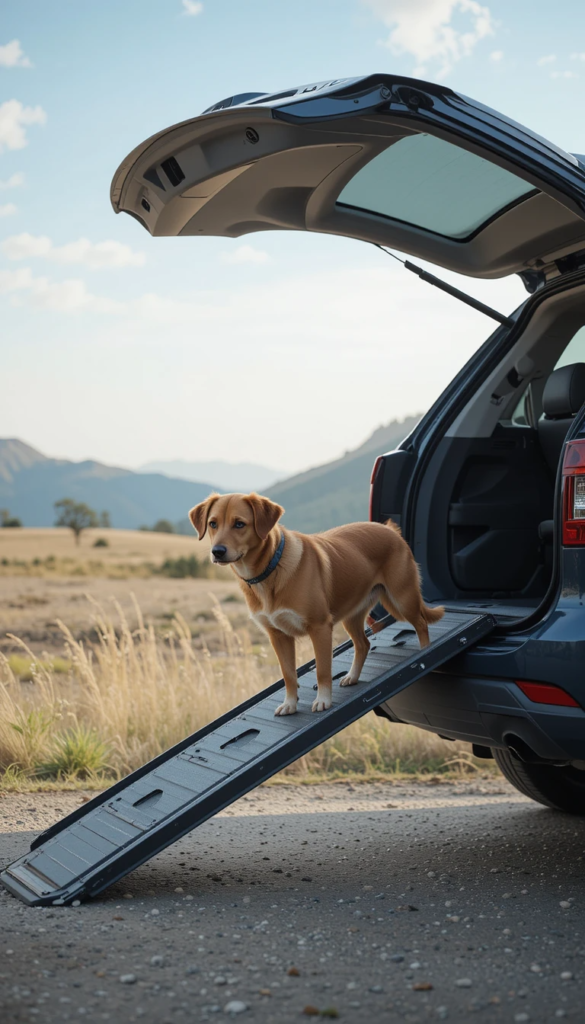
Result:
x=455 y=292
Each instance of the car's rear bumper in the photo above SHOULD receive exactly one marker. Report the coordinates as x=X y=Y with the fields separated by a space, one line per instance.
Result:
x=489 y=712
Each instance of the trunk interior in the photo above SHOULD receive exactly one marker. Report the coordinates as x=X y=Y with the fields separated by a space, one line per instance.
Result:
x=483 y=528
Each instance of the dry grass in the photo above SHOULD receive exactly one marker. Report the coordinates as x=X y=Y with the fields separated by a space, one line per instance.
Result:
x=52 y=552
x=111 y=705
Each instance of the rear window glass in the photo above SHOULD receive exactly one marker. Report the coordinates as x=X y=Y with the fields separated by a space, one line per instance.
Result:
x=432 y=184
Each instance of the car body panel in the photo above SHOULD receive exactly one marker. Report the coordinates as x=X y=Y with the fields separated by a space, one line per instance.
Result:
x=281 y=164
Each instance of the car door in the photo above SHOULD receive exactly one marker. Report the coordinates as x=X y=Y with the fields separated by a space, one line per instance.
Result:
x=383 y=159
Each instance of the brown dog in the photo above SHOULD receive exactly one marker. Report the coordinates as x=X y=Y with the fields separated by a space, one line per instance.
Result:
x=297 y=585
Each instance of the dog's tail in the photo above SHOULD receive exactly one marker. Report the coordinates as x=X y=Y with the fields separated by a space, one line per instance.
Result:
x=433 y=614
x=393 y=526
x=430 y=615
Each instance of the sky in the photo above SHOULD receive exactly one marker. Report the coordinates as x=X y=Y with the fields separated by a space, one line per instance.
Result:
x=281 y=348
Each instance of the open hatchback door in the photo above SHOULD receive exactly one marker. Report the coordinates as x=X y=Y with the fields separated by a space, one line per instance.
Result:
x=384 y=159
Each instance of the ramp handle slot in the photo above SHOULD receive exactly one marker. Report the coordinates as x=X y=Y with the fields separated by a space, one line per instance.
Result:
x=241 y=736
x=147 y=797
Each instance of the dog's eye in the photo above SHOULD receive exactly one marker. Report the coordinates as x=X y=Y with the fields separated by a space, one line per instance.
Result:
x=239 y=525
x=212 y=524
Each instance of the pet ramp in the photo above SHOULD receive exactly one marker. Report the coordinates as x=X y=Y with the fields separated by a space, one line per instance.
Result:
x=136 y=818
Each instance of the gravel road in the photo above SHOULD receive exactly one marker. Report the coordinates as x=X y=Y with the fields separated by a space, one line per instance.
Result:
x=369 y=903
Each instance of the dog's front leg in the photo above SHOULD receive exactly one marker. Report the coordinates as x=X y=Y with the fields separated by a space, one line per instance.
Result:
x=284 y=647
x=322 y=640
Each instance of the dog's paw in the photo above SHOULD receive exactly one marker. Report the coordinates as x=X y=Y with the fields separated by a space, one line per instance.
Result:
x=321 y=704
x=348 y=680
x=289 y=707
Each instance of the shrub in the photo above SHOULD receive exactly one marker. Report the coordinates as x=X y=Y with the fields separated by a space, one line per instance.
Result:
x=101 y=542
x=77 y=753
x=181 y=568
x=163 y=526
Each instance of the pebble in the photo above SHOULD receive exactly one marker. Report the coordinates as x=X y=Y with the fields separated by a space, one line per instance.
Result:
x=397 y=958
x=521 y=1017
x=76 y=903
x=220 y=980
x=127 y=979
x=157 y=961
x=565 y=904
x=566 y=975
x=155 y=913
x=376 y=988
x=464 y=983
x=235 y=1006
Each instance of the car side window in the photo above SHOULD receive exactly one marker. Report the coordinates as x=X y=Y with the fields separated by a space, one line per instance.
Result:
x=575 y=350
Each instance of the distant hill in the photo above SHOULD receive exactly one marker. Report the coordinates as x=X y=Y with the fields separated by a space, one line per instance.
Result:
x=225 y=476
x=337 y=492
x=30 y=484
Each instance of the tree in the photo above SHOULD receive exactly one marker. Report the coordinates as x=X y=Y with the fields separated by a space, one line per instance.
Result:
x=75 y=515
x=104 y=520
x=7 y=520
x=163 y=526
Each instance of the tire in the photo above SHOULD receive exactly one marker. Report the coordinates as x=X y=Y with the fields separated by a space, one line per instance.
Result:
x=562 y=788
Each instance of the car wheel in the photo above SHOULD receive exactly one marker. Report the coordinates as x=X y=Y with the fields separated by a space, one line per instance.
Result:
x=562 y=788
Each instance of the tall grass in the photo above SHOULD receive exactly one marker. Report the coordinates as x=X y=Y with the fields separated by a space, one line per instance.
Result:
x=132 y=694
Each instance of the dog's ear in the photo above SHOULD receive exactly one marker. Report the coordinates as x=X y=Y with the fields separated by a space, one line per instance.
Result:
x=266 y=514
x=200 y=514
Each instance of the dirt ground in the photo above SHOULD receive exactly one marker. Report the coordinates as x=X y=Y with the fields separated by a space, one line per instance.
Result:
x=378 y=902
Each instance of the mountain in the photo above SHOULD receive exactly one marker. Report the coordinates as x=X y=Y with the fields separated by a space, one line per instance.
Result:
x=337 y=492
x=226 y=476
x=30 y=484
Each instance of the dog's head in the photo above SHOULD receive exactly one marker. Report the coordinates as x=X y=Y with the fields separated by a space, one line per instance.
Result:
x=237 y=524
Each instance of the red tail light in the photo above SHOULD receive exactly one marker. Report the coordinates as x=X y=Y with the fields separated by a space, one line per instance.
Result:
x=375 y=469
x=546 y=693
x=574 y=494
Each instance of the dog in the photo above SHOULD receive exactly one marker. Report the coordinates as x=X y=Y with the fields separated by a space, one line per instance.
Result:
x=297 y=584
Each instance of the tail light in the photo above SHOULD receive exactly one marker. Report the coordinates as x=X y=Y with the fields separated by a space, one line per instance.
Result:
x=574 y=494
x=547 y=693
x=375 y=471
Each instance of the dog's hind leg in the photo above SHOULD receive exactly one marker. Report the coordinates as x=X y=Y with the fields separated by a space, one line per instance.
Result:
x=322 y=640
x=354 y=627
x=284 y=647
x=402 y=598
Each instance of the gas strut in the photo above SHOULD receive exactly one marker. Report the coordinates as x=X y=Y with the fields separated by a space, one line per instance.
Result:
x=444 y=287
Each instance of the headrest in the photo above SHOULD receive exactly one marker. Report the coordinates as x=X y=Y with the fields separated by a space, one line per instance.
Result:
x=564 y=391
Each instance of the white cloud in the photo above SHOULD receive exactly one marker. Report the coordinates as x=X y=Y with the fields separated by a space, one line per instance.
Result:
x=97 y=256
x=497 y=55
x=192 y=7
x=14 y=119
x=578 y=56
x=549 y=59
x=14 y=181
x=245 y=254
x=69 y=296
x=424 y=29
x=11 y=56
x=564 y=74
x=7 y=210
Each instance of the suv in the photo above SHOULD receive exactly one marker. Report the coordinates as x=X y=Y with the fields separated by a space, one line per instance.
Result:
x=489 y=488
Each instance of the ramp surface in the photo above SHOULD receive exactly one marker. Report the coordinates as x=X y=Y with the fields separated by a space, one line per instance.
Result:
x=139 y=816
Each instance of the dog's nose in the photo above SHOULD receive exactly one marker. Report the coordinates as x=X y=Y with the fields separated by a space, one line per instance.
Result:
x=219 y=551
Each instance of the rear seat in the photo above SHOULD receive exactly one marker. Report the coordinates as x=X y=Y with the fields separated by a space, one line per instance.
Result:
x=563 y=396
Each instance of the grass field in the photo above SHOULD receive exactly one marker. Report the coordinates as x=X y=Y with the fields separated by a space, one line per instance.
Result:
x=53 y=552
x=98 y=674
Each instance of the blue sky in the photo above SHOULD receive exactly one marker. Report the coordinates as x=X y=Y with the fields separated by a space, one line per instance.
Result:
x=282 y=348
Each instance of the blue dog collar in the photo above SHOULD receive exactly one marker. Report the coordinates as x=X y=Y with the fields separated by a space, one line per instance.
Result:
x=271 y=565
